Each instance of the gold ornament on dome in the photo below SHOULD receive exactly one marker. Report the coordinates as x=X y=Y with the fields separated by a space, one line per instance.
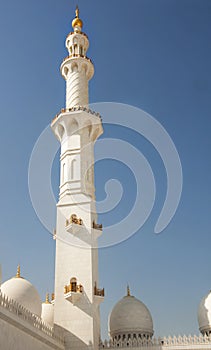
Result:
x=77 y=22
x=47 y=301
x=18 y=274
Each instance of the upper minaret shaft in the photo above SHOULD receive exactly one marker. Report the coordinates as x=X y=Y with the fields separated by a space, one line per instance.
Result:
x=77 y=69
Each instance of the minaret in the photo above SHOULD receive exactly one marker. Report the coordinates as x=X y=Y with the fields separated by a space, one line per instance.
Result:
x=77 y=294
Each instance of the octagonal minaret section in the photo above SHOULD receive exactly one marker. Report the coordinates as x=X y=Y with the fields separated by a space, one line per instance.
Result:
x=77 y=69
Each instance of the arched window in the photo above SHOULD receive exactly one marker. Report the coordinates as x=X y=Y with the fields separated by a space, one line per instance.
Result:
x=66 y=70
x=73 y=284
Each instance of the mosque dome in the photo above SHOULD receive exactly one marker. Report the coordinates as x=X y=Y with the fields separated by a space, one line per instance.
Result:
x=23 y=292
x=48 y=312
x=128 y=317
x=204 y=314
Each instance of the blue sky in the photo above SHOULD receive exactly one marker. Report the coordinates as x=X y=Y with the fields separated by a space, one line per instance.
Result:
x=152 y=54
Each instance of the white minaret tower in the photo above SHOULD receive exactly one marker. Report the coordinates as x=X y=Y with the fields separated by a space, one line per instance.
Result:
x=77 y=294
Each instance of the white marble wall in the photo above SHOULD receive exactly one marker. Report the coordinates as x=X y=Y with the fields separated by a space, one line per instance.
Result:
x=18 y=334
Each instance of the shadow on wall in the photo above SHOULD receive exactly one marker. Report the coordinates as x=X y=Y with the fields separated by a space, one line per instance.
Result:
x=71 y=341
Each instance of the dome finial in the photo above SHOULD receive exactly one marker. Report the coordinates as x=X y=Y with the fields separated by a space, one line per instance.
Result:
x=77 y=12
x=128 y=291
x=77 y=23
x=47 y=299
x=18 y=274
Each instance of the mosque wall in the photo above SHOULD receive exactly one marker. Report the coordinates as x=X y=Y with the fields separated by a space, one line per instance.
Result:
x=195 y=342
x=17 y=333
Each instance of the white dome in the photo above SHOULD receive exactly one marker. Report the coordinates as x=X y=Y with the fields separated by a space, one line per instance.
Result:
x=24 y=293
x=204 y=314
x=48 y=313
x=130 y=316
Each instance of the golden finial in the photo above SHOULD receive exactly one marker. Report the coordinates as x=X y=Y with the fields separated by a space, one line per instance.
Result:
x=47 y=299
x=128 y=291
x=77 y=12
x=77 y=23
x=18 y=274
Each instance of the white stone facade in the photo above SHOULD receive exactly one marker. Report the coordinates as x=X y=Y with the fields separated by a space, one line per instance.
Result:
x=77 y=69
x=22 y=330
x=71 y=321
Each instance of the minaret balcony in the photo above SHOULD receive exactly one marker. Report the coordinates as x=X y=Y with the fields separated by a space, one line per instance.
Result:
x=77 y=61
x=98 y=294
x=77 y=55
x=88 y=236
x=76 y=109
x=73 y=292
x=81 y=33
x=61 y=124
x=75 y=226
x=97 y=229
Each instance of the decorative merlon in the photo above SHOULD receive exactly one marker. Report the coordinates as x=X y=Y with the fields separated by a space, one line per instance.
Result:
x=171 y=341
x=33 y=320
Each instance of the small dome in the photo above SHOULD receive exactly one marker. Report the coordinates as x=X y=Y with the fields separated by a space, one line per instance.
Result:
x=204 y=314
x=130 y=316
x=23 y=292
x=77 y=22
x=48 y=312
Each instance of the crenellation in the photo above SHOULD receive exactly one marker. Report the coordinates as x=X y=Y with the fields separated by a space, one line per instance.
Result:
x=157 y=343
x=22 y=313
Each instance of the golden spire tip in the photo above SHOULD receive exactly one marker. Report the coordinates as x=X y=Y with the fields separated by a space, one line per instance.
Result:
x=77 y=22
x=128 y=291
x=18 y=274
x=47 y=299
x=77 y=12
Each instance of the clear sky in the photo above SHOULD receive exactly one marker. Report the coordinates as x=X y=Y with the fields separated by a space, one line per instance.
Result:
x=151 y=54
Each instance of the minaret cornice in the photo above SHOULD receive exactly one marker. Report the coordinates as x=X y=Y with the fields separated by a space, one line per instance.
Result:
x=73 y=109
x=64 y=123
x=76 y=55
x=77 y=63
x=77 y=33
